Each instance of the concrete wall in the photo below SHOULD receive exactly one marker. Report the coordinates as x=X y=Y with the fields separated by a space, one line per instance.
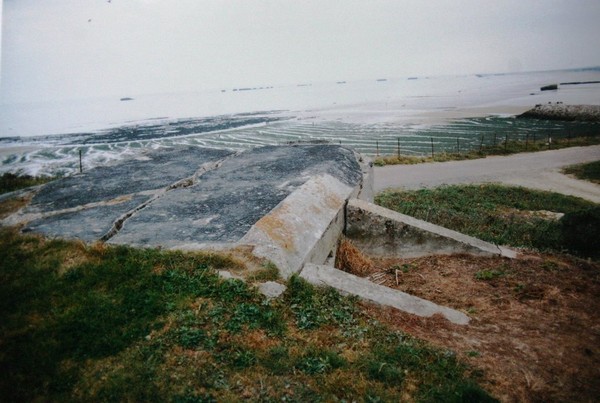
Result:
x=382 y=232
x=304 y=227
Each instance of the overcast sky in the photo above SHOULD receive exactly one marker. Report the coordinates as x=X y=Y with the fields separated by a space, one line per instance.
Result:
x=62 y=49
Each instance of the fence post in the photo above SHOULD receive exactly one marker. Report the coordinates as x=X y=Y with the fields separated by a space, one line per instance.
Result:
x=432 y=154
x=481 y=144
x=377 y=146
x=549 y=140
x=398 y=147
x=80 y=164
x=457 y=146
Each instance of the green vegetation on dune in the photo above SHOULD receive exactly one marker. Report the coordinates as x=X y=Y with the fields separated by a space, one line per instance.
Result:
x=10 y=182
x=99 y=323
x=502 y=148
x=505 y=215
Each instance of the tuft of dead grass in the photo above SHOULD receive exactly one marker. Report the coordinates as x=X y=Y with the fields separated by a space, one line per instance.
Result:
x=534 y=326
x=351 y=260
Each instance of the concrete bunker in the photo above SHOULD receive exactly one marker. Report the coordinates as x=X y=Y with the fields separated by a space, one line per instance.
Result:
x=288 y=204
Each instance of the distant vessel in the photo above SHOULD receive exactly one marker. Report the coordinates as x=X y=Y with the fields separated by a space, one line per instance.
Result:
x=382 y=79
x=126 y=99
x=549 y=87
x=341 y=82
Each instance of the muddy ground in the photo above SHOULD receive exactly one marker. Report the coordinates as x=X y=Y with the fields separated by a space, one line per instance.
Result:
x=534 y=333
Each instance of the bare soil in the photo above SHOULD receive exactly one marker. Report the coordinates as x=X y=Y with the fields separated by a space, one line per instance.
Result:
x=534 y=333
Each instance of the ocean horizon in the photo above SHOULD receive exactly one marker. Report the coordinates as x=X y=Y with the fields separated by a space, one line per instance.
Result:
x=376 y=116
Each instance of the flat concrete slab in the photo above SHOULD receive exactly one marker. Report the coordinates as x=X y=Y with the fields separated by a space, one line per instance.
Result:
x=149 y=171
x=197 y=198
x=225 y=202
x=350 y=284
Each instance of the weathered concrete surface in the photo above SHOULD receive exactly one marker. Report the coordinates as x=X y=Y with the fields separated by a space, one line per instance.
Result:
x=148 y=172
x=196 y=198
x=89 y=225
x=382 y=232
x=305 y=227
x=271 y=289
x=227 y=201
x=350 y=284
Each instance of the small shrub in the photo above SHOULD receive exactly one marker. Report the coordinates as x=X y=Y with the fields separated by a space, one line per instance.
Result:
x=384 y=372
x=269 y=272
x=581 y=232
x=487 y=275
x=319 y=362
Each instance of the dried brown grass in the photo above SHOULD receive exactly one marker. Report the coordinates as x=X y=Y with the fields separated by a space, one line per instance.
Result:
x=351 y=260
x=534 y=329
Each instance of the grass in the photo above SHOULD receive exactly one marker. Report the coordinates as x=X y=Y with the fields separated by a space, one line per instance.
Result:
x=10 y=182
x=502 y=215
x=100 y=323
x=589 y=172
x=503 y=148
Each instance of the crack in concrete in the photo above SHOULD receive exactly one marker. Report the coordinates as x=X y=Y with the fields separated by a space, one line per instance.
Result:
x=180 y=184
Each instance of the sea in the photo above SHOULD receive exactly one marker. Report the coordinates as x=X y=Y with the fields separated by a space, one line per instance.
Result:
x=381 y=116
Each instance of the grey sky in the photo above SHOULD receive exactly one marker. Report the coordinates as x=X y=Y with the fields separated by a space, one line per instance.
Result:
x=61 y=49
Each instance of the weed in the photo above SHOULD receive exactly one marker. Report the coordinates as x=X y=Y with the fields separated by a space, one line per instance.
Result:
x=383 y=372
x=487 y=275
x=268 y=272
x=316 y=361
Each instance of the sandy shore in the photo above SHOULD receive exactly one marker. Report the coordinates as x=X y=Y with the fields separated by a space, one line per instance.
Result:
x=18 y=150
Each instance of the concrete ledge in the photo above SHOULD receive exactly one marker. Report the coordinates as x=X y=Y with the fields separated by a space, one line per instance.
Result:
x=350 y=284
x=382 y=232
x=304 y=227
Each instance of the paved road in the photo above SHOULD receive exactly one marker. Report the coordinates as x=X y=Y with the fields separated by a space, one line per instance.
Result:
x=539 y=170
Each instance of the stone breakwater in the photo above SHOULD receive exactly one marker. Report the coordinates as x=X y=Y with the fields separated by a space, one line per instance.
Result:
x=559 y=111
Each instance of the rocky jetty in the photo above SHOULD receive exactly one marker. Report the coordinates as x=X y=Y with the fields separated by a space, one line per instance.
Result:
x=560 y=111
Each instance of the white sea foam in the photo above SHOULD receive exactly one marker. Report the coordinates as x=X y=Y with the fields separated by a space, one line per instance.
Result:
x=369 y=115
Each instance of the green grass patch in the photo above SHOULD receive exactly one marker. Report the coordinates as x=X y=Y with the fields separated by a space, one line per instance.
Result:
x=10 y=182
x=502 y=148
x=589 y=172
x=504 y=215
x=99 y=323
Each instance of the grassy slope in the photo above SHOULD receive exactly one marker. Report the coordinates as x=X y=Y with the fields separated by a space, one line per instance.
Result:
x=113 y=323
x=589 y=172
x=500 y=214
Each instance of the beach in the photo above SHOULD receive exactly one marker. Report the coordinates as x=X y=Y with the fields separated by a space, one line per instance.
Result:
x=372 y=116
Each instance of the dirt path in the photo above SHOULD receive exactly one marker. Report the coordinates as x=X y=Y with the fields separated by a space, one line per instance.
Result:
x=540 y=170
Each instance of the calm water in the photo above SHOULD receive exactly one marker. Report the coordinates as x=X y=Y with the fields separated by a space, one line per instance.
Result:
x=370 y=116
